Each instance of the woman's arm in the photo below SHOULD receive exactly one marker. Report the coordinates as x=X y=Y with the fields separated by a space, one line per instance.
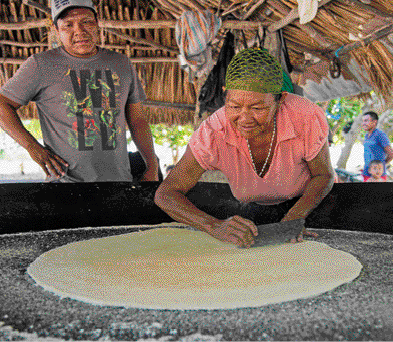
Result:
x=170 y=197
x=322 y=180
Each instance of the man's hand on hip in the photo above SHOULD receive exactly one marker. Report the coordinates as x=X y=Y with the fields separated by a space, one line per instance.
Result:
x=151 y=175
x=51 y=163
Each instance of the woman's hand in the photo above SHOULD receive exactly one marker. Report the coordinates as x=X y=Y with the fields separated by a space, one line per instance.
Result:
x=236 y=230
x=304 y=232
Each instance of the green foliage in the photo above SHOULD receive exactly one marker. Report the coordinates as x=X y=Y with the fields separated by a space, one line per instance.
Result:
x=340 y=113
x=34 y=127
x=2 y=154
x=175 y=136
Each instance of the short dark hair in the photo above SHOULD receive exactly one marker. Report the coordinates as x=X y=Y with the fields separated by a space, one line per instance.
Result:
x=63 y=14
x=375 y=162
x=373 y=115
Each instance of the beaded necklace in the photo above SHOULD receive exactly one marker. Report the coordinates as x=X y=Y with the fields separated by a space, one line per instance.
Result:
x=270 y=150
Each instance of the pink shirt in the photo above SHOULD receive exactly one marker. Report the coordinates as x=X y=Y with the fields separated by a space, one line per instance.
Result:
x=302 y=130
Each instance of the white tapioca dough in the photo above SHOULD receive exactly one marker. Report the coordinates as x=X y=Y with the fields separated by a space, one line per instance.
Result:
x=171 y=268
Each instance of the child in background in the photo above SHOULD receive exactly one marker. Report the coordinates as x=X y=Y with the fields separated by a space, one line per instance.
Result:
x=376 y=170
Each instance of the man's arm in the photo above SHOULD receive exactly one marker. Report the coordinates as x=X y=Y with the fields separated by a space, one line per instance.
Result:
x=142 y=137
x=12 y=125
x=389 y=154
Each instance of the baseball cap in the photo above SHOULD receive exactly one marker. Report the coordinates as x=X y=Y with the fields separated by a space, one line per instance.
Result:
x=58 y=6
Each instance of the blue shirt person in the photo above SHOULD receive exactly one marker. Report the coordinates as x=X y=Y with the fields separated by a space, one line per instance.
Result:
x=376 y=143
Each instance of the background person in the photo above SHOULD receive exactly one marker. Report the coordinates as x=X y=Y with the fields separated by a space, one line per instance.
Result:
x=376 y=169
x=376 y=144
x=85 y=96
x=271 y=146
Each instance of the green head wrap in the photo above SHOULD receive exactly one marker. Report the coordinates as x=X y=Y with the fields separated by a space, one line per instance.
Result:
x=255 y=70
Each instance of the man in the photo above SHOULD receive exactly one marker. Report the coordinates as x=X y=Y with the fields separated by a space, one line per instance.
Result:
x=376 y=144
x=85 y=97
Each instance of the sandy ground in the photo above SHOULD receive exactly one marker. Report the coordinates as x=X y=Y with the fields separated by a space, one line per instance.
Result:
x=361 y=310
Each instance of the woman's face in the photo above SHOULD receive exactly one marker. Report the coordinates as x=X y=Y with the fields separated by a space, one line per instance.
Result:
x=250 y=112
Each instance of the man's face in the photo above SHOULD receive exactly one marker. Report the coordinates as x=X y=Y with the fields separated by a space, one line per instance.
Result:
x=368 y=123
x=376 y=170
x=78 y=32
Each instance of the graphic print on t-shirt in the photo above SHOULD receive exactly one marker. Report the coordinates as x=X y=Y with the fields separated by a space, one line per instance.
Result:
x=93 y=105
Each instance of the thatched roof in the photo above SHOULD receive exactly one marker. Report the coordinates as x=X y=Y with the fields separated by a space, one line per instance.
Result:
x=358 y=32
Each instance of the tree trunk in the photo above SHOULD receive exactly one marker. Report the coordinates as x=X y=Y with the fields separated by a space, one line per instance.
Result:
x=175 y=155
x=383 y=121
x=350 y=139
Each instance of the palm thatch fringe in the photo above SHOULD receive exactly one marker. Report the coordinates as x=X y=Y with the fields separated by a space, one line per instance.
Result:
x=169 y=116
x=379 y=67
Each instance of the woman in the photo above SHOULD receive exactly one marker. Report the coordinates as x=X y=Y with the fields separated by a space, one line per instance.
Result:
x=272 y=146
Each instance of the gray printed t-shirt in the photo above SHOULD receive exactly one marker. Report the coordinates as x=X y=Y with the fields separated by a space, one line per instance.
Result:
x=81 y=104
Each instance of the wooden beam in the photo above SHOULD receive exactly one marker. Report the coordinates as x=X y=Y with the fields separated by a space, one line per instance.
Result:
x=15 y=61
x=374 y=36
x=18 y=61
x=154 y=59
x=308 y=29
x=134 y=24
x=28 y=45
x=241 y=25
x=161 y=24
x=253 y=8
x=137 y=24
x=183 y=106
x=290 y=17
x=25 y=25
x=134 y=47
x=197 y=5
x=356 y=4
x=20 y=19
x=349 y=47
x=150 y=24
x=141 y=41
x=38 y=6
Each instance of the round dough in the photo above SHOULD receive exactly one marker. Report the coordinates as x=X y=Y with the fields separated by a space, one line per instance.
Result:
x=169 y=268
